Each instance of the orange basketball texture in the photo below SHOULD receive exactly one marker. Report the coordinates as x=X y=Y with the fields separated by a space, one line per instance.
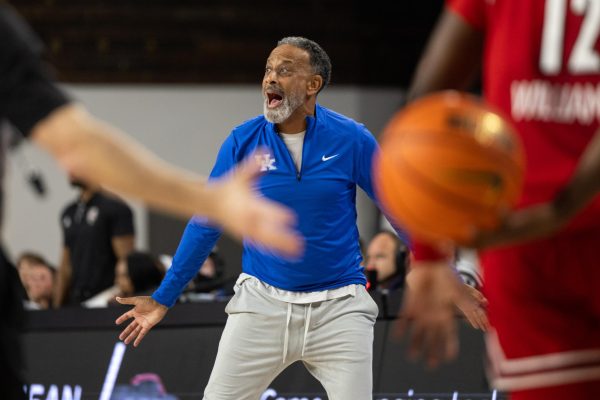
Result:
x=448 y=165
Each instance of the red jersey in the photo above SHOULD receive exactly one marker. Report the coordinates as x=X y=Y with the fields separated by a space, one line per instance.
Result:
x=541 y=67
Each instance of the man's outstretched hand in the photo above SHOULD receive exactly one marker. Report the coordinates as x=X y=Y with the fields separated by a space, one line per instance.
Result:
x=146 y=313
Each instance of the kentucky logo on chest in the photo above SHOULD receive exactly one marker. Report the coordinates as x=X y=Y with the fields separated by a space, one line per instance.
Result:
x=266 y=162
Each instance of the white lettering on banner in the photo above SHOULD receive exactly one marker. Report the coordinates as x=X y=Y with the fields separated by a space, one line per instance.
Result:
x=539 y=100
x=37 y=391
x=53 y=393
x=271 y=394
x=69 y=394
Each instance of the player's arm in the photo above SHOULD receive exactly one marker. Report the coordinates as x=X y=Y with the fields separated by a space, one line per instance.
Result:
x=96 y=152
x=63 y=279
x=452 y=58
x=544 y=219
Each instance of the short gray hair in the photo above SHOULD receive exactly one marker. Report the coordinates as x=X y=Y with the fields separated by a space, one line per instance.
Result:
x=319 y=60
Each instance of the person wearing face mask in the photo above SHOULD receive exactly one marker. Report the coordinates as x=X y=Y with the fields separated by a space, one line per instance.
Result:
x=97 y=232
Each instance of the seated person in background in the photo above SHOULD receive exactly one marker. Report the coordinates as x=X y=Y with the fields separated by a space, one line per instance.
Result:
x=37 y=277
x=209 y=282
x=210 y=274
x=23 y=265
x=138 y=273
x=97 y=232
x=386 y=261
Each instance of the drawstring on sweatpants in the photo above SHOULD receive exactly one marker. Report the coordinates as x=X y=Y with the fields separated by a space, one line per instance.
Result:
x=287 y=331
x=286 y=337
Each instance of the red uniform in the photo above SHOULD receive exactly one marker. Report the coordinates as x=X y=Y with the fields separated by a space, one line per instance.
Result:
x=541 y=67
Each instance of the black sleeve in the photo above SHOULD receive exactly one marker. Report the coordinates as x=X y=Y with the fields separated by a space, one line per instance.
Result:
x=122 y=219
x=27 y=93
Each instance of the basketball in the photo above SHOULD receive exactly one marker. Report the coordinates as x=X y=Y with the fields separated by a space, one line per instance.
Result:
x=449 y=165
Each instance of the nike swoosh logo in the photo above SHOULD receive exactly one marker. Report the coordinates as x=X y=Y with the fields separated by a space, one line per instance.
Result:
x=329 y=158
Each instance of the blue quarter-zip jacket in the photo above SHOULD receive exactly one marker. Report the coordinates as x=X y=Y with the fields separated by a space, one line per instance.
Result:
x=336 y=156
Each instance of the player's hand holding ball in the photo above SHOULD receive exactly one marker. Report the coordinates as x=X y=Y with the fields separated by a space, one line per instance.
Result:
x=449 y=167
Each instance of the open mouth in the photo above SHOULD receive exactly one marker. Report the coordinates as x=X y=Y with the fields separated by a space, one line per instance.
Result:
x=274 y=99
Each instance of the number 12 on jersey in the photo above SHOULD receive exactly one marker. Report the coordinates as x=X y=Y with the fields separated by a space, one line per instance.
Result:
x=584 y=59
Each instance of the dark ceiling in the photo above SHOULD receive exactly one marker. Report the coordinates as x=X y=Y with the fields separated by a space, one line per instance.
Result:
x=227 y=41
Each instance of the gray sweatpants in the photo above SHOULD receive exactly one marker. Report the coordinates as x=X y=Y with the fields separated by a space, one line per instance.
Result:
x=333 y=338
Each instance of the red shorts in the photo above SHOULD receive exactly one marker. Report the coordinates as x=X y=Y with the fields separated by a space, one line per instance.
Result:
x=545 y=309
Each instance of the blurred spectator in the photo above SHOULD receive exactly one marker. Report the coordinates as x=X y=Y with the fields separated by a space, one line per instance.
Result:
x=210 y=282
x=24 y=263
x=97 y=231
x=386 y=261
x=138 y=274
x=210 y=275
x=37 y=277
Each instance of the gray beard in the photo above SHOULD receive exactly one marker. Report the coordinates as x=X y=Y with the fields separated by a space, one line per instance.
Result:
x=284 y=111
